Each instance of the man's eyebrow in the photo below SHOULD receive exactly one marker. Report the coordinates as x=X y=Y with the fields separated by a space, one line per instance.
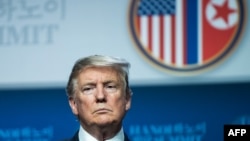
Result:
x=87 y=83
x=112 y=81
x=91 y=83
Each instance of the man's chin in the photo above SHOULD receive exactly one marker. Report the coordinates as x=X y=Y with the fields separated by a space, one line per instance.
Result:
x=104 y=121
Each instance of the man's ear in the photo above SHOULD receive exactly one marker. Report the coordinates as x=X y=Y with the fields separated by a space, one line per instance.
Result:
x=128 y=100
x=73 y=105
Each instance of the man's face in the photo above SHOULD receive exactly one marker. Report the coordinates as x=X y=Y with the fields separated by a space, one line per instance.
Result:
x=100 y=97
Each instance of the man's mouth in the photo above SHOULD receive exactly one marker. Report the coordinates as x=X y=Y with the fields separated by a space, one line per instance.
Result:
x=102 y=111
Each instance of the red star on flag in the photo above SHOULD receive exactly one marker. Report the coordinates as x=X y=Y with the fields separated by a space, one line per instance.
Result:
x=223 y=11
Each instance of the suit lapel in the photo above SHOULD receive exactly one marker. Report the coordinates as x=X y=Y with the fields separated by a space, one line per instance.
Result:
x=75 y=137
x=126 y=137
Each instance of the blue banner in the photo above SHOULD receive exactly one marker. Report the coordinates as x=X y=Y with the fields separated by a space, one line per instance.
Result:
x=158 y=113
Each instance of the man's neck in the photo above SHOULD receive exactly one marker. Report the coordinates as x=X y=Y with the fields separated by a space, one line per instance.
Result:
x=102 y=133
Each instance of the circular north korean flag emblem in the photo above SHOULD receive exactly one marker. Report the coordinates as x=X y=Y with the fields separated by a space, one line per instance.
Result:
x=186 y=35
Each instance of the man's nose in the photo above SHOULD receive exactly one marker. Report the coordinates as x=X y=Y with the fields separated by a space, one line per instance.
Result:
x=100 y=95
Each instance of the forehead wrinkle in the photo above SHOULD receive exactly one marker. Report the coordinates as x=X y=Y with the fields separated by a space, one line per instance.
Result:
x=102 y=74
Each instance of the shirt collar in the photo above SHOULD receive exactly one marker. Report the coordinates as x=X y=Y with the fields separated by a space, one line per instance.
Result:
x=85 y=136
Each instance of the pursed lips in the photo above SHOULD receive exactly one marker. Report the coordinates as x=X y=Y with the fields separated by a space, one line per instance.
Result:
x=102 y=110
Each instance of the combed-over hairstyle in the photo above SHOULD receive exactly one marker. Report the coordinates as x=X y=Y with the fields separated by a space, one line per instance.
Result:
x=118 y=64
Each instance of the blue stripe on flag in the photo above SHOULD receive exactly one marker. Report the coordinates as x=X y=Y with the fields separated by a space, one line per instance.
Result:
x=192 y=31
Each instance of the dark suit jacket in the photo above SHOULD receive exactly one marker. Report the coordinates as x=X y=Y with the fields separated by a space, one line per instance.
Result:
x=75 y=137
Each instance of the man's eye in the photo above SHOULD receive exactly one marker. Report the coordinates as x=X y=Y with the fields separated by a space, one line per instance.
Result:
x=88 y=90
x=111 y=88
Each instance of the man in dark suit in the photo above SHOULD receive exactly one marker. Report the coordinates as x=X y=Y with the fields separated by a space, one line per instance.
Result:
x=99 y=96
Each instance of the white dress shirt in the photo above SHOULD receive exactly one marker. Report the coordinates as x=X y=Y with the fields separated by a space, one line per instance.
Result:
x=85 y=136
